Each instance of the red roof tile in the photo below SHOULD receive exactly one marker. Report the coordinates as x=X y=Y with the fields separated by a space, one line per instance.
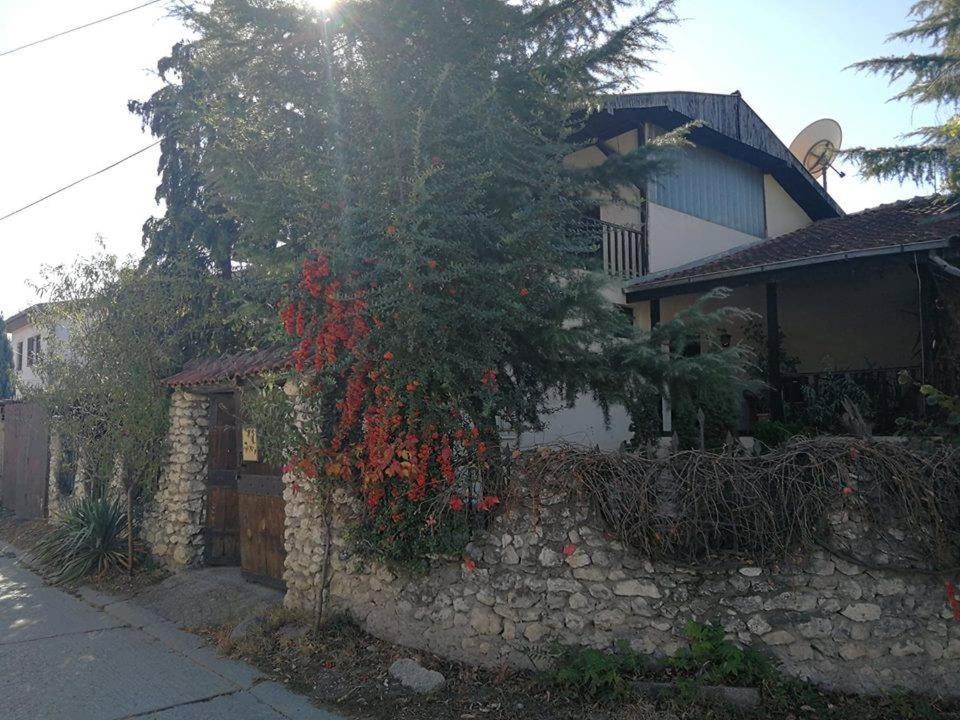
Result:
x=904 y=223
x=212 y=371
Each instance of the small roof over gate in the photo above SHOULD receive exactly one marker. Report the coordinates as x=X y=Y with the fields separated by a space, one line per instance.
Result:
x=918 y=225
x=228 y=368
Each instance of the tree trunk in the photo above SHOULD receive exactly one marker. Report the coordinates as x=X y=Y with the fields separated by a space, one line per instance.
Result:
x=130 y=529
x=322 y=581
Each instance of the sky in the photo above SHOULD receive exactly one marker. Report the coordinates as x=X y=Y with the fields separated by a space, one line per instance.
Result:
x=63 y=107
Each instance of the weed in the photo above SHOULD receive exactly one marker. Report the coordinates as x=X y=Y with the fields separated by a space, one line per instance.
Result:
x=595 y=673
x=714 y=659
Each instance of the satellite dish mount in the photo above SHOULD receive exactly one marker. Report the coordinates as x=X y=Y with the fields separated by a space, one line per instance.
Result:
x=817 y=145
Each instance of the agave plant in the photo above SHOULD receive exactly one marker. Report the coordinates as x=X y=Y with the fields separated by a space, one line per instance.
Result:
x=89 y=537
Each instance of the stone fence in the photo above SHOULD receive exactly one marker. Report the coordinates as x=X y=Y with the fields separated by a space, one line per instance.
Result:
x=546 y=572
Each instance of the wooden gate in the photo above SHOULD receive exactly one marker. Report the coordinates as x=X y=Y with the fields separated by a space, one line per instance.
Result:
x=222 y=525
x=262 y=518
x=26 y=460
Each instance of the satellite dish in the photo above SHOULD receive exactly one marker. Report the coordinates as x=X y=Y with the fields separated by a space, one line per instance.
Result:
x=817 y=144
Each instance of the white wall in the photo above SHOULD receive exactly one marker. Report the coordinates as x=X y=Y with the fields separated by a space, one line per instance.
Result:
x=583 y=424
x=677 y=238
x=783 y=213
x=27 y=375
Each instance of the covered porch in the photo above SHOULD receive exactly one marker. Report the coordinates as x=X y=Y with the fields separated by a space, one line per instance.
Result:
x=856 y=298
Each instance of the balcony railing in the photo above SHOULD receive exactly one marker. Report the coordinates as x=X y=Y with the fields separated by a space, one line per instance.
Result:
x=619 y=250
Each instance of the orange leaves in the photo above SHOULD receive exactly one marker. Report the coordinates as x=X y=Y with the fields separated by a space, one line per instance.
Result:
x=569 y=550
x=524 y=292
x=391 y=230
x=432 y=264
x=388 y=356
x=488 y=503
x=457 y=504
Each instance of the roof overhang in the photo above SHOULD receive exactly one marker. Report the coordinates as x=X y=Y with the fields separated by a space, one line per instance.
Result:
x=18 y=321
x=649 y=289
x=729 y=125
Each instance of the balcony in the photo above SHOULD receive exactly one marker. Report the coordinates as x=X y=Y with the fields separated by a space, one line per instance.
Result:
x=617 y=250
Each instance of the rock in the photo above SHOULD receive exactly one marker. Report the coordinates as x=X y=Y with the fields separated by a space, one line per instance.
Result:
x=758 y=626
x=852 y=651
x=779 y=637
x=414 y=676
x=822 y=567
x=815 y=628
x=741 y=698
x=906 y=648
x=636 y=588
x=509 y=556
x=862 y=612
x=578 y=559
x=579 y=601
x=609 y=619
x=891 y=586
x=485 y=621
x=535 y=632
x=750 y=571
x=550 y=558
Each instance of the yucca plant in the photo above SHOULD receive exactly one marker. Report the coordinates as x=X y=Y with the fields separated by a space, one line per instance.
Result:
x=89 y=538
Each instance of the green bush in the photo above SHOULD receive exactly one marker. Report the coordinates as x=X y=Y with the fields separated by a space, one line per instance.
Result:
x=773 y=433
x=90 y=537
x=713 y=659
x=595 y=673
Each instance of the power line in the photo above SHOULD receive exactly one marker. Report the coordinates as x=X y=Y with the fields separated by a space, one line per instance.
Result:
x=79 y=27
x=77 y=182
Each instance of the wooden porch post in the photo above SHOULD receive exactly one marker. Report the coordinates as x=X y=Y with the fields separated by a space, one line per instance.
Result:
x=666 y=408
x=773 y=353
x=925 y=311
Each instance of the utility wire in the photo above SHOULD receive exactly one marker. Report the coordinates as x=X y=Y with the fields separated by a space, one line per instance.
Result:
x=77 y=182
x=79 y=27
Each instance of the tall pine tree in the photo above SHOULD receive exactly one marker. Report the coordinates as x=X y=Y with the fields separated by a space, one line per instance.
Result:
x=933 y=156
x=6 y=363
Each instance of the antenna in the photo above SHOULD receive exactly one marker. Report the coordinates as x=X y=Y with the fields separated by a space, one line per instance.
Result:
x=816 y=147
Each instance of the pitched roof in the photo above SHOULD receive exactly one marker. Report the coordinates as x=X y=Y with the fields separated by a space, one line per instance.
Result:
x=727 y=124
x=922 y=223
x=24 y=317
x=227 y=368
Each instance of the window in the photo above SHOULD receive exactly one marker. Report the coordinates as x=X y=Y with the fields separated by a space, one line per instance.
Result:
x=19 y=357
x=33 y=350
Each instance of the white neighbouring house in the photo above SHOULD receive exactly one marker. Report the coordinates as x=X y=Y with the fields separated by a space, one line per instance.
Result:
x=28 y=341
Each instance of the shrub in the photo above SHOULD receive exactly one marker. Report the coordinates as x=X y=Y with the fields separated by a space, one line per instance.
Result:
x=773 y=433
x=714 y=659
x=823 y=406
x=90 y=537
x=595 y=673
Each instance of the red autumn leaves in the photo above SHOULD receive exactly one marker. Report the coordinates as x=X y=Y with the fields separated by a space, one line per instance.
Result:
x=389 y=452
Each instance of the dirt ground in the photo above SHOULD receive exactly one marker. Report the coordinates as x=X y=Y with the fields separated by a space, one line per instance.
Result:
x=346 y=670
x=22 y=534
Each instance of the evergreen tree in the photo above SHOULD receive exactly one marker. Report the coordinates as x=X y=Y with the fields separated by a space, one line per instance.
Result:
x=6 y=362
x=934 y=77
x=403 y=164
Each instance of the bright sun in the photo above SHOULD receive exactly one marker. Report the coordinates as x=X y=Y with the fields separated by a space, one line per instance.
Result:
x=323 y=4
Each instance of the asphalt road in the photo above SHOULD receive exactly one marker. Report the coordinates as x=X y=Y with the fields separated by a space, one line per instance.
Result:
x=99 y=659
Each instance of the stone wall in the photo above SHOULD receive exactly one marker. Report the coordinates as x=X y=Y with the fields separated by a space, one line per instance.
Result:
x=547 y=572
x=173 y=525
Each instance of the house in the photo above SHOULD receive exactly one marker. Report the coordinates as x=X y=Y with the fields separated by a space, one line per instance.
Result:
x=737 y=185
x=844 y=293
x=740 y=211
x=28 y=341
x=25 y=460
